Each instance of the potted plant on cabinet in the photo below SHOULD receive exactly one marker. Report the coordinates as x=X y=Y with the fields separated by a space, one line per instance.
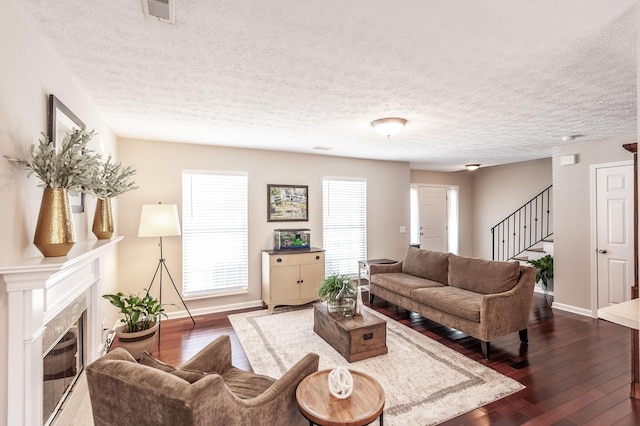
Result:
x=544 y=267
x=70 y=168
x=109 y=181
x=331 y=286
x=141 y=315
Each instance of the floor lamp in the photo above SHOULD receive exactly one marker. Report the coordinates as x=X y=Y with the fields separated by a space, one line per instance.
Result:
x=161 y=220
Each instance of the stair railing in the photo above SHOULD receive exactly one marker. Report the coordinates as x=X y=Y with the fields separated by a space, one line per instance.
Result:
x=524 y=228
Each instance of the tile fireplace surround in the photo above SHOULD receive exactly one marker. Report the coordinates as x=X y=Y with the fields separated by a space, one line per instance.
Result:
x=35 y=291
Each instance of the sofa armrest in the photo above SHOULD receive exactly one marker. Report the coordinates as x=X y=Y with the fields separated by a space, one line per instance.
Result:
x=288 y=383
x=509 y=311
x=382 y=268
x=215 y=357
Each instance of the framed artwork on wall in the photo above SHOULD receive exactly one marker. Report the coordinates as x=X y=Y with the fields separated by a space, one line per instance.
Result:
x=61 y=121
x=287 y=203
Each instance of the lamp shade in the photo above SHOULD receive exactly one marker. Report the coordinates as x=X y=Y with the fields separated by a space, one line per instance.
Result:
x=159 y=220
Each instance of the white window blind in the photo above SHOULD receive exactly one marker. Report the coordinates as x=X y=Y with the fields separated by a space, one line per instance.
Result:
x=214 y=233
x=344 y=224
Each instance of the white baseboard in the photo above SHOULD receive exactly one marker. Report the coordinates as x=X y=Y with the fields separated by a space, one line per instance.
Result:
x=572 y=309
x=215 y=309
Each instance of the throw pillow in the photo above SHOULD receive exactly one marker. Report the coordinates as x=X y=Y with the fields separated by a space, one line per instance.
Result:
x=482 y=276
x=431 y=265
x=190 y=376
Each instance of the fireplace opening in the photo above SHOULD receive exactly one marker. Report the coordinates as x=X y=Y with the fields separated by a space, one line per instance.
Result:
x=63 y=361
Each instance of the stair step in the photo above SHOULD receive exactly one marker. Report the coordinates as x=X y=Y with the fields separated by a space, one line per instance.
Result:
x=521 y=258
x=548 y=240
x=536 y=249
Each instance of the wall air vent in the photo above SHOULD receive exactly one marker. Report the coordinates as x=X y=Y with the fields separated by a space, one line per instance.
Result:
x=163 y=10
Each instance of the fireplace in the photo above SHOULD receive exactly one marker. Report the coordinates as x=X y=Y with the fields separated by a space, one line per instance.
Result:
x=63 y=356
x=53 y=327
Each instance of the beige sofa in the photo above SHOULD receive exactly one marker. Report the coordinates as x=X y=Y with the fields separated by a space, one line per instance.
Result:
x=482 y=298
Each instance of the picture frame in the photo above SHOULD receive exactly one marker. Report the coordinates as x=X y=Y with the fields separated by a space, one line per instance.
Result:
x=287 y=203
x=60 y=121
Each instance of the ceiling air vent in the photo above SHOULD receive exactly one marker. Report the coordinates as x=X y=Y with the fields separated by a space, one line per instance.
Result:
x=163 y=10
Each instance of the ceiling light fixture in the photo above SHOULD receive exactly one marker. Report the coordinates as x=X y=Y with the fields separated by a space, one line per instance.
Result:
x=388 y=126
x=472 y=167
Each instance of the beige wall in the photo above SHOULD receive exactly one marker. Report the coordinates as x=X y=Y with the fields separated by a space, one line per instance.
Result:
x=572 y=218
x=28 y=74
x=160 y=166
x=463 y=180
x=498 y=191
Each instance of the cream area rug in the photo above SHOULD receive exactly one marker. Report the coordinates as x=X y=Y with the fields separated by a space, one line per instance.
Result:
x=425 y=383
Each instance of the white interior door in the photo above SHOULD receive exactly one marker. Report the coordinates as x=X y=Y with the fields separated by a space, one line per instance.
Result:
x=433 y=217
x=614 y=233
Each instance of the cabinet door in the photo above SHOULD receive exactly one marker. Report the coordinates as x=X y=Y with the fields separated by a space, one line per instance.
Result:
x=311 y=276
x=284 y=282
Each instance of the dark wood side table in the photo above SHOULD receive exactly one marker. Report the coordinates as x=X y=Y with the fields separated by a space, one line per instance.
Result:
x=363 y=406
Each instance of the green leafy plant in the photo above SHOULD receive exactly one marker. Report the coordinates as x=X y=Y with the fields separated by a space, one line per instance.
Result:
x=140 y=313
x=111 y=179
x=72 y=167
x=544 y=265
x=331 y=286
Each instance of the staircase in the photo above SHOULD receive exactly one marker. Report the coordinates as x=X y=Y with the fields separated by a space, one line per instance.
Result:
x=527 y=233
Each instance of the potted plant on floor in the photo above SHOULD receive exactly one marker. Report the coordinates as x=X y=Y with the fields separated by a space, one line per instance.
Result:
x=141 y=315
x=544 y=265
x=331 y=286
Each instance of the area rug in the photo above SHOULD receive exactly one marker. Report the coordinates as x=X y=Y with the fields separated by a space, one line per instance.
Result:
x=425 y=383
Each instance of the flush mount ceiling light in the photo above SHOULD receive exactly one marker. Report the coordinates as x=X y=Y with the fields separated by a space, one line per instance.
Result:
x=472 y=167
x=388 y=126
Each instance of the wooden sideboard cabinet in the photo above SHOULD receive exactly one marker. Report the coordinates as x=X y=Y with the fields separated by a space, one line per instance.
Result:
x=291 y=277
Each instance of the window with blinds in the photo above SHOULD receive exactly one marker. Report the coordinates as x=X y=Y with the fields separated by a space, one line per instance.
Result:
x=344 y=224
x=214 y=233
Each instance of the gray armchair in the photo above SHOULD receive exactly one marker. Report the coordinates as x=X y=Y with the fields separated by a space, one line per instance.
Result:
x=205 y=390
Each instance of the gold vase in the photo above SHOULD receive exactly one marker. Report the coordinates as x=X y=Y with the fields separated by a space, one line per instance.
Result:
x=55 y=233
x=103 y=219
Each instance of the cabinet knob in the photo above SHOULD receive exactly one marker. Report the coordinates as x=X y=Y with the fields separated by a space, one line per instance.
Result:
x=278 y=260
x=317 y=257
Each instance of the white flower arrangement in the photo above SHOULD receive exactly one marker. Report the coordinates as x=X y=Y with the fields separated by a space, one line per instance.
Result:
x=77 y=168
x=72 y=167
x=112 y=179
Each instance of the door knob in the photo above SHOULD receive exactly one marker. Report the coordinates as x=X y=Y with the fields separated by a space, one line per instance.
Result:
x=602 y=251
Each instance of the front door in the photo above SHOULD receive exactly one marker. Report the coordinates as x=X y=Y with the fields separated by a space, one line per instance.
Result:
x=433 y=218
x=614 y=233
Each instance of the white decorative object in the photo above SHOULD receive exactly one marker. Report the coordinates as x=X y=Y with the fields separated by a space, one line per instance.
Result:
x=340 y=383
x=359 y=301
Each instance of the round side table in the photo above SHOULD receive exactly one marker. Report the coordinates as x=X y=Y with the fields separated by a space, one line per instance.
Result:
x=363 y=406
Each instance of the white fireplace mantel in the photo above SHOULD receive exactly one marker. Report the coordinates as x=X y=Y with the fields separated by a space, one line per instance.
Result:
x=37 y=290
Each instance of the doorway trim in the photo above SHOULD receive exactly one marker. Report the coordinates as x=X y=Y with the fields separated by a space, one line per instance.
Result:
x=593 y=223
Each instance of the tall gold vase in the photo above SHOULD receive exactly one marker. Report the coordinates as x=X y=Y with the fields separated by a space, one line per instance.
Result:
x=103 y=219
x=55 y=233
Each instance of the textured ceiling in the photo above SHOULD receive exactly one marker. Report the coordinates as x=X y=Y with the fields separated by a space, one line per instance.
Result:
x=488 y=82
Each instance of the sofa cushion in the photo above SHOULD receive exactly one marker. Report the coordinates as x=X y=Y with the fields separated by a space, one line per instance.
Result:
x=190 y=376
x=431 y=265
x=482 y=276
x=453 y=300
x=401 y=283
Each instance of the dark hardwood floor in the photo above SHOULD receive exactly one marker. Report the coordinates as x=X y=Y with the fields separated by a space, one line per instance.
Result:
x=576 y=369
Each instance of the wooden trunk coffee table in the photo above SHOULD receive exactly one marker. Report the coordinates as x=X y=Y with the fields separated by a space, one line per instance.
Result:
x=363 y=336
x=364 y=405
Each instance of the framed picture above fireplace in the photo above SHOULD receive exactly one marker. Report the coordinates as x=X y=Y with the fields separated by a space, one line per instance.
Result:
x=61 y=121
